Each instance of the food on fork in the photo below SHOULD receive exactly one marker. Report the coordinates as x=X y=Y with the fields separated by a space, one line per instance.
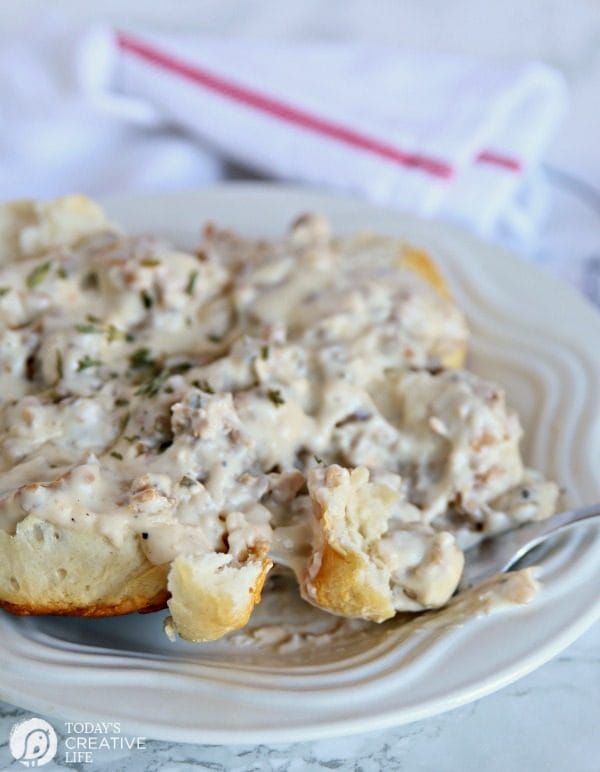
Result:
x=172 y=424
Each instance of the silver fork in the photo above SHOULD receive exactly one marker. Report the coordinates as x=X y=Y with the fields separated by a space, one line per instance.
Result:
x=499 y=553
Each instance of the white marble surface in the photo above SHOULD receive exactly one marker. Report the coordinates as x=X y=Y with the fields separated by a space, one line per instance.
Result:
x=548 y=720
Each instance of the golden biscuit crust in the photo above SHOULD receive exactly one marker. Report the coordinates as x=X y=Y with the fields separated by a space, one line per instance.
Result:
x=49 y=569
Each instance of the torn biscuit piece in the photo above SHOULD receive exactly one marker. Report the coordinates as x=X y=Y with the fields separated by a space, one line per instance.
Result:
x=213 y=594
x=372 y=555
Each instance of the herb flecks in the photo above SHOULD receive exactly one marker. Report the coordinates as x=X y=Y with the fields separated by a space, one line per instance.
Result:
x=147 y=300
x=4 y=291
x=141 y=358
x=149 y=262
x=180 y=367
x=114 y=333
x=86 y=362
x=187 y=482
x=203 y=385
x=117 y=455
x=152 y=385
x=276 y=397
x=264 y=352
x=87 y=329
x=189 y=287
x=123 y=421
x=59 y=365
x=37 y=276
x=214 y=338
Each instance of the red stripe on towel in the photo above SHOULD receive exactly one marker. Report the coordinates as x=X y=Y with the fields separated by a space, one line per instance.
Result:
x=490 y=157
x=285 y=112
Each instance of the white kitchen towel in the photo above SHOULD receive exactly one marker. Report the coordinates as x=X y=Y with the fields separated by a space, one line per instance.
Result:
x=436 y=134
x=63 y=128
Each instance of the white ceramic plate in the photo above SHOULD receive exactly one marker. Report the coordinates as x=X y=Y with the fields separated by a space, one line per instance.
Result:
x=530 y=333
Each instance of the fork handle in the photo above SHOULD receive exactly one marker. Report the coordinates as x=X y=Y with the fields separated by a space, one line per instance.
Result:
x=536 y=532
x=563 y=520
x=509 y=547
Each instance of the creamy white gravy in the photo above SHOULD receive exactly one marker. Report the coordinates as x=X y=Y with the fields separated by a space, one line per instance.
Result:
x=185 y=396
